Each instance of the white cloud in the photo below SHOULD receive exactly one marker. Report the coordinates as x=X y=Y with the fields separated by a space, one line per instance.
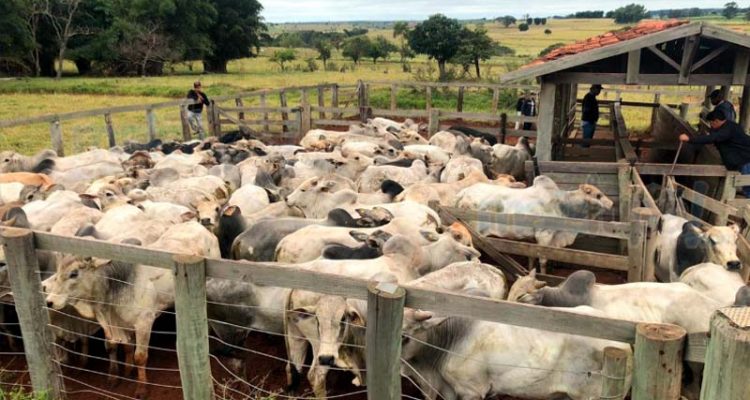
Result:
x=389 y=10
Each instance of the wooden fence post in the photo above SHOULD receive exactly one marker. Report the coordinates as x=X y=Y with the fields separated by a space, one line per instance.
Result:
x=299 y=113
x=56 y=138
x=33 y=316
x=460 y=101
x=217 y=119
x=503 y=127
x=186 y=134
x=434 y=122
x=265 y=114
x=335 y=100
x=684 y=108
x=657 y=368
x=428 y=98
x=728 y=193
x=110 y=130
x=624 y=181
x=614 y=373
x=240 y=104
x=636 y=251
x=284 y=114
x=321 y=101
x=651 y=218
x=727 y=372
x=151 y=121
x=361 y=94
x=655 y=111
x=192 y=327
x=306 y=121
x=385 y=313
x=394 y=93
x=495 y=99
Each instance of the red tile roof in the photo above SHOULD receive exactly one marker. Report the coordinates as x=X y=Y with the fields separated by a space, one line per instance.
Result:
x=642 y=29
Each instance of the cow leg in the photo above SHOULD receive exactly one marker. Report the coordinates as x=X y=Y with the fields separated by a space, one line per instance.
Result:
x=129 y=351
x=114 y=368
x=83 y=358
x=297 y=350
x=142 y=337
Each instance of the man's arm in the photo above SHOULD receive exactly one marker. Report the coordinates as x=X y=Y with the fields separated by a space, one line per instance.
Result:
x=714 y=137
x=204 y=99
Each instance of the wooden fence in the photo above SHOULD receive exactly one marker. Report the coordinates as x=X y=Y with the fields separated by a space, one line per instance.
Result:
x=191 y=273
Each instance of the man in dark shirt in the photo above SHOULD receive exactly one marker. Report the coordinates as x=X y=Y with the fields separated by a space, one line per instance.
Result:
x=195 y=110
x=590 y=112
x=731 y=141
x=720 y=103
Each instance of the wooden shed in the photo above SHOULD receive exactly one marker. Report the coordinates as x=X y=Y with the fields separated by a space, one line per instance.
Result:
x=667 y=53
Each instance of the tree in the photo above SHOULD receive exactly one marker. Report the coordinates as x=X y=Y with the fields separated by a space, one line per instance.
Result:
x=630 y=13
x=438 y=37
x=234 y=33
x=401 y=30
x=60 y=15
x=149 y=44
x=283 y=56
x=529 y=21
x=523 y=27
x=475 y=46
x=507 y=20
x=380 y=48
x=547 y=31
x=324 y=52
x=731 y=9
x=356 y=48
x=537 y=21
x=16 y=40
x=544 y=21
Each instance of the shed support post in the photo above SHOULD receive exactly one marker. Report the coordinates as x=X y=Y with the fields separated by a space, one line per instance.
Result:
x=55 y=133
x=546 y=121
x=651 y=218
x=614 y=373
x=728 y=193
x=624 y=180
x=726 y=373
x=385 y=313
x=33 y=317
x=657 y=368
x=636 y=250
x=110 y=130
x=192 y=327
x=745 y=108
x=655 y=112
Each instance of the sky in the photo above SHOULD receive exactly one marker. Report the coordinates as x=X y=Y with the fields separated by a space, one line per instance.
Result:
x=390 y=10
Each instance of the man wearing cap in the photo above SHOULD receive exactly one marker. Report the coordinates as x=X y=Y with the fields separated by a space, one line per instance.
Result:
x=731 y=141
x=196 y=110
x=720 y=103
x=590 y=112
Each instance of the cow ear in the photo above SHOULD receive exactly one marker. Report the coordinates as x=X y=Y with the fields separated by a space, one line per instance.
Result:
x=430 y=236
x=354 y=317
x=735 y=228
x=421 y=316
x=188 y=216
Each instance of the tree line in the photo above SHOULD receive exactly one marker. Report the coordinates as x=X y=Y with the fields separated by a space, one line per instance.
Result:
x=125 y=37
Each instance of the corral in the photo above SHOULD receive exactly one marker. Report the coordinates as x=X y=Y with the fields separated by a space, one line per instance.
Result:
x=627 y=246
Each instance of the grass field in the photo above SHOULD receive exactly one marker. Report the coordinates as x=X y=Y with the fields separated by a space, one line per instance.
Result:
x=35 y=96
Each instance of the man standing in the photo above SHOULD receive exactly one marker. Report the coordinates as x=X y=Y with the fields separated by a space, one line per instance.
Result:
x=720 y=103
x=590 y=113
x=529 y=109
x=731 y=141
x=195 y=110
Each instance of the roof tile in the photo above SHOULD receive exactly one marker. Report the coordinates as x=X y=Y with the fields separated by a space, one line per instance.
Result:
x=607 y=39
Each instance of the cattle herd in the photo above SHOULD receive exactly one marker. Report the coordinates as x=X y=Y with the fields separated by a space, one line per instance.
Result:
x=352 y=203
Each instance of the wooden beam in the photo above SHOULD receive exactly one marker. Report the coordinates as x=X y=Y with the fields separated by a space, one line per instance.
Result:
x=570 y=256
x=634 y=67
x=745 y=108
x=603 y=78
x=664 y=57
x=385 y=316
x=546 y=121
x=741 y=63
x=726 y=35
x=688 y=55
x=564 y=63
x=710 y=56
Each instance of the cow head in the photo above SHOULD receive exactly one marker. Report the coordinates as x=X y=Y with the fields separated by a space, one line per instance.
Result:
x=526 y=289
x=595 y=200
x=408 y=136
x=375 y=216
x=10 y=161
x=208 y=210
x=316 y=197
x=77 y=281
x=333 y=322
x=445 y=249
x=722 y=246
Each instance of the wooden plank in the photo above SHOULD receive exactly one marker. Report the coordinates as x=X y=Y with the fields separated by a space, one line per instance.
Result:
x=332 y=122
x=110 y=130
x=56 y=138
x=634 y=66
x=648 y=199
x=335 y=100
x=710 y=56
x=460 y=100
x=433 y=122
x=658 y=361
x=564 y=63
x=400 y=113
x=33 y=316
x=283 y=103
x=453 y=85
x=741 y=64
x=618 y=78
x=192 y=327
x=546 y=122
x=623 y=179
x=728 y=193
x=710 y=204
x=618 y=230
x=726 y=35
x=636 y=250
x=151 y=121
x=258 y=109
x=428 y=98
x=351 y=110
x=263 y=104
x=745 y=108
x=385 y=316
x=578 y=257
x=688 y=55
x=495 y=99
x=592 y=179
x=321 y=101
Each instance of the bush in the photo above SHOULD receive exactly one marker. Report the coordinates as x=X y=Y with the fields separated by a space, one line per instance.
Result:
x=547 y=31
x=523 y=27
x=312 y=66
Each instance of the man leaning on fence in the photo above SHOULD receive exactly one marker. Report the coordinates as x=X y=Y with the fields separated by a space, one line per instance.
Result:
x=731 y=141
x=590 y=113
x=196 y=110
